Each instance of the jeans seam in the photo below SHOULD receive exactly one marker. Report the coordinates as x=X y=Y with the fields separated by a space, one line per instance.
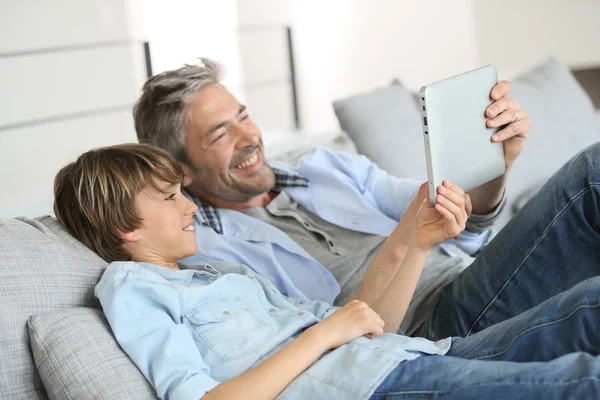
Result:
x=422 y=392
x=558 y=215
x=504 y=349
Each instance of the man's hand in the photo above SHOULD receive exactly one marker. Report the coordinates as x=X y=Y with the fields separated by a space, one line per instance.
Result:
x=407 y=221
x=506 y=112
x=353 y=320
x=445 y=220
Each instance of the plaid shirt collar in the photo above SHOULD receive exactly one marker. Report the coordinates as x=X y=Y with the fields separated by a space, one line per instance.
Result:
x=283 y=179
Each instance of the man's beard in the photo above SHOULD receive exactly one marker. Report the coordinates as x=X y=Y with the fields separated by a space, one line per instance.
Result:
x=237 y=191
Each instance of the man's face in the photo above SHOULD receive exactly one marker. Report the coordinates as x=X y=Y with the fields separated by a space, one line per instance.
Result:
x=225 y=149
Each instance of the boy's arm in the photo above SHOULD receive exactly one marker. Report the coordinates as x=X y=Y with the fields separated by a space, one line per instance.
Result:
x=141 y=315
x=268 y=379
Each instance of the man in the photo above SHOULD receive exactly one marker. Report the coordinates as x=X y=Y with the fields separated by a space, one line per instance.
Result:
x=314 y=229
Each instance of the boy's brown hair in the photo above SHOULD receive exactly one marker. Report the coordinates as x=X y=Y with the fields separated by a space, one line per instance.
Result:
x=95 y=195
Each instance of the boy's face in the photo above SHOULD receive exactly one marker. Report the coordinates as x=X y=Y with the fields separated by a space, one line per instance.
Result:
x=167 y=233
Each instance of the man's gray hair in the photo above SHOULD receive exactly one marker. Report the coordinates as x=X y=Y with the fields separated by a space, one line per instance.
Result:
x=161 y=112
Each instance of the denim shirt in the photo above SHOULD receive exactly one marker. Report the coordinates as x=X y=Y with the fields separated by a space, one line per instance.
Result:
x=346 y=190
x=189 y=330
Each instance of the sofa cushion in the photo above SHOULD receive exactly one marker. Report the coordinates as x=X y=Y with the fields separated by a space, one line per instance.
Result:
x=386 y=127
x=42 y=269
x=563 y=123
x=77 y=357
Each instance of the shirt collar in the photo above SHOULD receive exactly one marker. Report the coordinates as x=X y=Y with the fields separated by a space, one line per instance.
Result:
x=210 y=216
x=183 y=275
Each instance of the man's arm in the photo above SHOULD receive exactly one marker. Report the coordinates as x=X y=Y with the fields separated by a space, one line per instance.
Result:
x=434 y=225
x=487 y=197
x=387 y=261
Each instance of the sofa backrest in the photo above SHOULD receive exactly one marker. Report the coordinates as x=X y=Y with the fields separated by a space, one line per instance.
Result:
x=42 y=269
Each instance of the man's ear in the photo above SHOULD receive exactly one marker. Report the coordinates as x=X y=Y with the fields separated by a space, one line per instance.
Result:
x=128 y=236
x=187 y=175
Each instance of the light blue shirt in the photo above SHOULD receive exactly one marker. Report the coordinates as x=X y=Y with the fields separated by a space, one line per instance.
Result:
x=189 y=330
x=347 y=190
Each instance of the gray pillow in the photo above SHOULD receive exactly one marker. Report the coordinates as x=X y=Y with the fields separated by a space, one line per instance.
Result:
x=78 y=358
x=563 y=123
x=42 y=268
x=386 y=127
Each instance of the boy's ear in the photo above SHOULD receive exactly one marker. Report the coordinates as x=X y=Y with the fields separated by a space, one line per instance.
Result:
x=128 y=236
x=187 y=175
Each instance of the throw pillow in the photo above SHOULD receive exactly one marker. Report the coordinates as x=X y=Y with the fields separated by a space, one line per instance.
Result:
x=78 y=358
x=42 y=268
x=385 y=125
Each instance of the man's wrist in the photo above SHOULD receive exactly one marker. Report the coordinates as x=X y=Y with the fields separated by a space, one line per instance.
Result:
x=417 y=247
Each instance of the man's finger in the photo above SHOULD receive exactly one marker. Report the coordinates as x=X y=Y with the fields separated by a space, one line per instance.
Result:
x=455 y=209
x=468 y=205
x=498 y=107
x=455 y=195
x=521 y=127
x=501 y=89
x=453 y=187
x=447 y=215
x=506 y=117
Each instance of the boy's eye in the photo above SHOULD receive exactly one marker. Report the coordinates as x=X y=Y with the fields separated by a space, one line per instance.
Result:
x=170 y=197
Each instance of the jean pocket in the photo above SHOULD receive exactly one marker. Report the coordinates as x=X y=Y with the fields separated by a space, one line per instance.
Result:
x=229 y=328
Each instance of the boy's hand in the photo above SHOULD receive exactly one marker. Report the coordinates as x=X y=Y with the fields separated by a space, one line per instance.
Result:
x=445 y=220
x=353 y=320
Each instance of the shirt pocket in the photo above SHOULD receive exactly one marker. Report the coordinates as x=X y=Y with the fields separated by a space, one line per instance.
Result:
x=229 y=328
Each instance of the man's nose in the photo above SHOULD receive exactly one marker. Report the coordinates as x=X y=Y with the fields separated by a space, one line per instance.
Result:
x=246 y=136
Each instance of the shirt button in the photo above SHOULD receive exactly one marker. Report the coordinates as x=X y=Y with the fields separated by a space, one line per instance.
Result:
x=250 y=277
x=301 y=313
x=272 y=310
x=226 y=312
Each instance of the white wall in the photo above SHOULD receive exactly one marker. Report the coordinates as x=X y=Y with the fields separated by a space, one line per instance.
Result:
x=343 y=47
x=69 y=73
x=180 y=31
x=519 y=34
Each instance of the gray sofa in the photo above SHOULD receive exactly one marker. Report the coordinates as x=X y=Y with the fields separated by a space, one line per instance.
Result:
x=385 y=125
x=55 y=342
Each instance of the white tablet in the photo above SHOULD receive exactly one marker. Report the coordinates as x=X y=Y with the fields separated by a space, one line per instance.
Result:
x=458 y=144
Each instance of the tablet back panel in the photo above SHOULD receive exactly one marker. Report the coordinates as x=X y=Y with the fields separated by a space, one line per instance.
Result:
x=458 y=143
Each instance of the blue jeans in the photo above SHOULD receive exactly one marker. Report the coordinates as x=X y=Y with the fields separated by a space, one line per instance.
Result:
x=525 y=315
x=548 y=352
x=552 y=244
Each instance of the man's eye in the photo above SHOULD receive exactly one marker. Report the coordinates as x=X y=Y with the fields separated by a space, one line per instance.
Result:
x=220 y=136
x=245 y=117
